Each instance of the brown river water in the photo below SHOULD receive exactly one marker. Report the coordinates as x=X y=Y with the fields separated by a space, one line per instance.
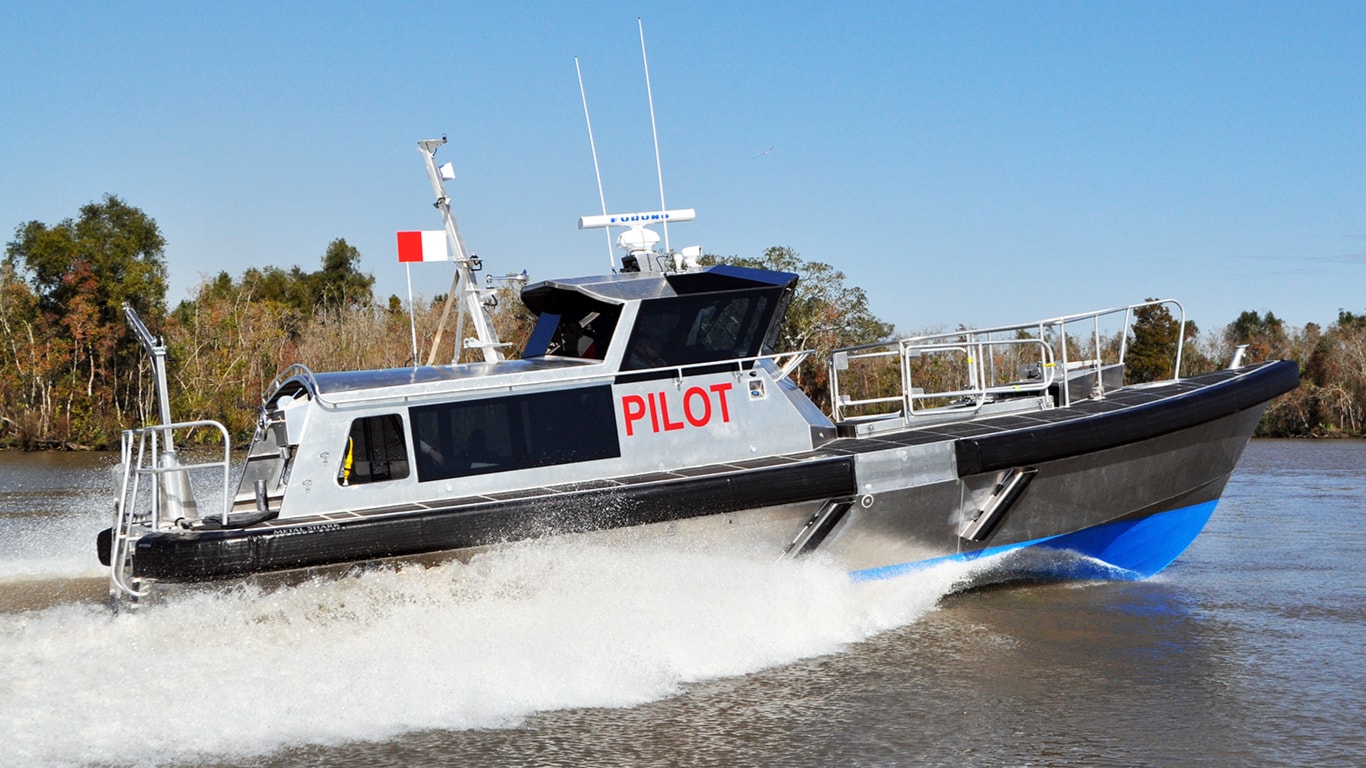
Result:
x=1247 y=651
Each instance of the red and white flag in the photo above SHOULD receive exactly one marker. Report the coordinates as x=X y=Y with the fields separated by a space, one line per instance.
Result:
x=423 y=246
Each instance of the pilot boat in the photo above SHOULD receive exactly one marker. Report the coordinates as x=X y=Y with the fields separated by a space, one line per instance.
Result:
x=654 y=396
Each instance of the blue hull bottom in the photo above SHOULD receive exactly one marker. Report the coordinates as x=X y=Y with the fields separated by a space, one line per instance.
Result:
x=1133 y=549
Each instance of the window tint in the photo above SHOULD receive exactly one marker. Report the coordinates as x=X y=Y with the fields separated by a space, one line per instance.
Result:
x=374 y=451
x=581 y=331
x=699 y=329
x=498 y=434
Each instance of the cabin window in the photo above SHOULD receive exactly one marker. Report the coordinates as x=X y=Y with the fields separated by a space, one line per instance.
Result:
x=582 y=332
x=699 y=329
x=478 y=437
x=374 y=451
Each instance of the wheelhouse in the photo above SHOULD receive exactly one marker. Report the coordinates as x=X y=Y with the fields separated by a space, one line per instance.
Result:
x=627 y=373
x=674 y=319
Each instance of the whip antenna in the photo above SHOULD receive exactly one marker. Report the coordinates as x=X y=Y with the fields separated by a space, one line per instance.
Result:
x=611 y=260
x=658 y=168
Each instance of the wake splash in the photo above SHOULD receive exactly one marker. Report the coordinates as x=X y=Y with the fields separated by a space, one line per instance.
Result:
x=527 y=628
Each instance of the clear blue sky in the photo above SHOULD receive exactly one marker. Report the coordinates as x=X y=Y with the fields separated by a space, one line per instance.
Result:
x=969 y=163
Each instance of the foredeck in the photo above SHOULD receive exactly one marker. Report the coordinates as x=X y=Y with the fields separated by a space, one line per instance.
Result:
x=987 y=443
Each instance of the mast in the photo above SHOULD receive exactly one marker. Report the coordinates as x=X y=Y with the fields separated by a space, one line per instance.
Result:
x=174 y=492
x=464 y=284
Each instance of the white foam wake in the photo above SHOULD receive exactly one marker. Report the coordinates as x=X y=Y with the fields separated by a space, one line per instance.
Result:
x=519 y=630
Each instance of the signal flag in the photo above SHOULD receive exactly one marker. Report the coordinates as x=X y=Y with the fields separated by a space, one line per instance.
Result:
x=428 y=245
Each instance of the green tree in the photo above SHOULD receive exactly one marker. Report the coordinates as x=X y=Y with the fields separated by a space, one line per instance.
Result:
x=1265 y=337
x=1349 y=320
x=824 y=315
x=235 y=335
x=1197 y=357
x=1152 y=344
x=340 y=284
x=23 y=382
x=81 y=272
x=1332 y=397
x=122 y=247
x=293 y=295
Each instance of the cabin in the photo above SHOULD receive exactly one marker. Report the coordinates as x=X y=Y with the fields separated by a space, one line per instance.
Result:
x=623 y=375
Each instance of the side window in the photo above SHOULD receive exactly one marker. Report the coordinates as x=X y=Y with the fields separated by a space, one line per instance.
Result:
x=586 y=336
x=374 y=451
x=582 y=332
x=698 y=329
x=465 y=439
x=499 y=434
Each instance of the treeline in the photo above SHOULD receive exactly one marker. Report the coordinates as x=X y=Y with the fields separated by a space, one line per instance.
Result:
x=71 y=375
x=1331 y=399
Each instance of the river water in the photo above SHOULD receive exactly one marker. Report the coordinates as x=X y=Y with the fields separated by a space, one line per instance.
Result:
x=1247 y=651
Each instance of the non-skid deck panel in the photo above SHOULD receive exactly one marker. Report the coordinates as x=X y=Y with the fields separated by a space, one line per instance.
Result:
x=1187 y=404
x=968 y=429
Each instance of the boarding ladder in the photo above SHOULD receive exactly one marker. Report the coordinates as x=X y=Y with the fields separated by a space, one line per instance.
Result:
x=156 y=493
x=155 y=489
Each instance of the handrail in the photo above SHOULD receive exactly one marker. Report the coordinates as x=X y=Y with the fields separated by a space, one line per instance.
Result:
x=121 y=531
x=784 y=369
x=1049 y=322
x=1051 y=333
x=154 y=462
x=979 y=352
x=977 y=355
x=294 y=369
x=795 y=359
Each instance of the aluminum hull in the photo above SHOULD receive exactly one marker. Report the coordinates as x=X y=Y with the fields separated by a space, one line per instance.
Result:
x=1130 y=485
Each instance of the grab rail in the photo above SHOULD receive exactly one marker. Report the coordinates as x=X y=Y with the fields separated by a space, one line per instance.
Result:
x=983 y=351
x=295 y=369
x=784 y=364
x=169 y=485
x=977 y=375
